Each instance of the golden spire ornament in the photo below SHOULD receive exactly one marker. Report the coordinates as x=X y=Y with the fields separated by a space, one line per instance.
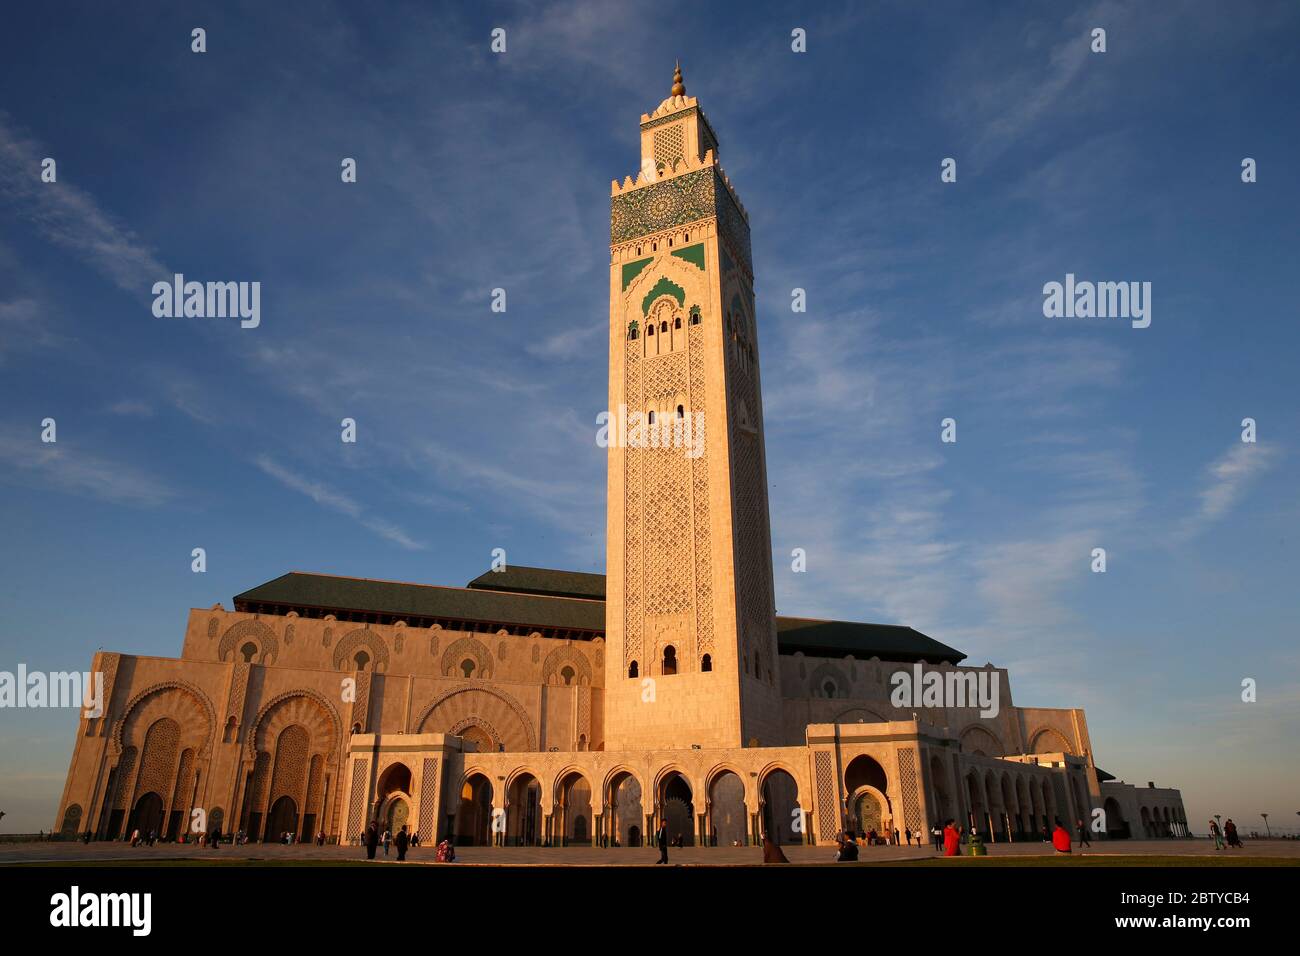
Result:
x=679 y=88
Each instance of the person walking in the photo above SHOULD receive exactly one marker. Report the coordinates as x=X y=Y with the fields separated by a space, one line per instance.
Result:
x=388 y=841
x=936 y=832
x=1230 y=831
x=214 y=839
x=403 y=841
x=1217 y=834
x=372 y=841
x=1083 y=835
x=661 y=840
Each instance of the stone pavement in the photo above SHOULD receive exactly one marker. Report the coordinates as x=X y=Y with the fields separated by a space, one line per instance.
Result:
x=13 y=853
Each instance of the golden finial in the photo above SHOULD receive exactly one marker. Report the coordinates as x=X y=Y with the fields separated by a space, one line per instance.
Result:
x=679 y=88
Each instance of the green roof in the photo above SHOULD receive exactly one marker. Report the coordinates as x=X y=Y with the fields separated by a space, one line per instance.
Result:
x=524 y=580
x=543 y=598
x=323 y=592
x=892 y=642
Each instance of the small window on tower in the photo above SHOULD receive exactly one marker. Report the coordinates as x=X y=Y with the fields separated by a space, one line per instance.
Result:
x=670 y=660
x=681 y=411
x=652 y=418
x=677 y=322
x=649 y=330
x=631 y=669
x=706 y=664
x=663 y=326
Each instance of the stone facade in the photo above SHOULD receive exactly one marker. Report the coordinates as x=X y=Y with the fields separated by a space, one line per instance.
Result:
x=663 y=692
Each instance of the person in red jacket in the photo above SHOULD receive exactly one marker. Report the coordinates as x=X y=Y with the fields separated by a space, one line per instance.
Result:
x=1061 y=838
x=951 y=839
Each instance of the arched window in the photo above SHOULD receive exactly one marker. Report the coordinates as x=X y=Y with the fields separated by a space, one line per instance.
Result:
x=677 y=322
x=248 y=652
x=681 y=411
x=567 y=674
x=663 y=326
x=650 y=329
x=651 y=418
x=706 y=663
x=631 y=332
x=467 y=667
x=670 y=660
x=638 y=250
x=631 y=669
x=828 y=688
x=361 y=660
x=688 y=237
x=695 y=318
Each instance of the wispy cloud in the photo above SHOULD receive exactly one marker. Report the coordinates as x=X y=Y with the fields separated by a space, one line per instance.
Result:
x=70 y=217
x=1226 y=480
x=336 y=501
x=71 y=469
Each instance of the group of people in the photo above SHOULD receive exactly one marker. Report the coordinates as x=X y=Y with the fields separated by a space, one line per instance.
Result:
x=1227 y=835
x=403 y=841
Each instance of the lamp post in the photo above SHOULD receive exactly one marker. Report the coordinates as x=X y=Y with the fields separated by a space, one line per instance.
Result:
x=1266 y=827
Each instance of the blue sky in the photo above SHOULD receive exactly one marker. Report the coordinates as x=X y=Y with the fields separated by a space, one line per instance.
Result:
x=477 y=430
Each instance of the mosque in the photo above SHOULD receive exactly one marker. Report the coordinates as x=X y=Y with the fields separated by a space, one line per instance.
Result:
x=547 y=707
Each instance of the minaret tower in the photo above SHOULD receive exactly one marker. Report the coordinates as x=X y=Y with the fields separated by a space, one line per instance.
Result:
x=689 y=556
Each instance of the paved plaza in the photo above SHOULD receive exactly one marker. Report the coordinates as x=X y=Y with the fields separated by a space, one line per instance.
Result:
x=35 y=852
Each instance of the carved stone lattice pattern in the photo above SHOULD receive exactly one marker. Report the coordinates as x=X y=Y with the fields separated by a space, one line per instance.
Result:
x=315 y=786
x=700 y=499
x=184 y=782
x=429 y=785
x=584 y=713
x=733 y=228
x=827 y=815
x=559 y=658
x=345 y=651
x=467 y=648
x=237 y=635
x=632 y=606
x=360 y=714
x=184 y=703
x=288 y=634
x=214 y=628
x=666 y=489
x=484 y=703
x=125 y=767
x=238 y=687
x=357 y=799
x=261 y=778
x=290 y=776
x=158 y=761
x=669 y=145
x=749 y=507
x=303 y=708
x=908 y=784
x=109 y=664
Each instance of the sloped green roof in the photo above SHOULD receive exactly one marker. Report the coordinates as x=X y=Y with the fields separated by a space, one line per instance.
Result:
x=328 y=593
x=524 y=580
x=567 y=600
x=893 y=642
